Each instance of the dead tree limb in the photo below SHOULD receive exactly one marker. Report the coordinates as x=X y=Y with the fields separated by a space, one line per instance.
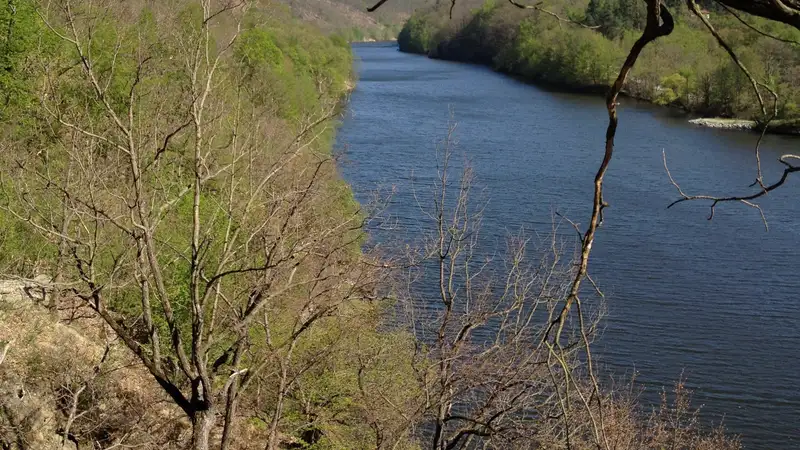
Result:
x=659 y=23
x=744 y=199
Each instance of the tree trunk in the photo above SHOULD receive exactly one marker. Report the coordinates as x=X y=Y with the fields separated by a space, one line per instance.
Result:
x=272 y=443
x=202 y=424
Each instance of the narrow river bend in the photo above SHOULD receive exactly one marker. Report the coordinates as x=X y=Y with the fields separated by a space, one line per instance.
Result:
x=718 y=301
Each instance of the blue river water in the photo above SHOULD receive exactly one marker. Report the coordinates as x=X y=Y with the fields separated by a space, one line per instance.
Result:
x=717 y=301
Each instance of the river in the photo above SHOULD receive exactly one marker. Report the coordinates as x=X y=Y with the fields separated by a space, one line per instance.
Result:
x=718 y=301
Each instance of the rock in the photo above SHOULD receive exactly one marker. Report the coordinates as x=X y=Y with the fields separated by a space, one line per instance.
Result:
x=47 y=361
x=12 y=292
x=726 y=124
x=791 y=127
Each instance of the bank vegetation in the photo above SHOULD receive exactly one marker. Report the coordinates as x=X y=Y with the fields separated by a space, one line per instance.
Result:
x=584 y=48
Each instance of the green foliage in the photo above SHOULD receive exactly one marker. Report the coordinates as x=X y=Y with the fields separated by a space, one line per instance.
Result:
x=347 y=394
x=20 y=248
x=613 y=17
x=568 y=57
x=477 y=41
x=727 y=91
x=289 y=67
x=24 y=44
x=257 y=48
x=686 y=69
x=673 y=87
x=417 y=35
x=19 y=27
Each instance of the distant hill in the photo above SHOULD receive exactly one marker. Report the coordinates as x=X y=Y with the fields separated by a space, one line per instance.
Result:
x=350 y=17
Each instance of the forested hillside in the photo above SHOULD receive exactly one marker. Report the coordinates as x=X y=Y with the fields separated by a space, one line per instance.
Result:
x=350 y=18
x=584 y=48
x=182 y=258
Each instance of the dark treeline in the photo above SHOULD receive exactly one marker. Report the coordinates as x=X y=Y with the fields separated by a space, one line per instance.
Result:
x=687 y=69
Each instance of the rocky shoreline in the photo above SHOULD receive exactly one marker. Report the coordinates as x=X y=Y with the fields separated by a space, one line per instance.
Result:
x=790 y=127
x=725 y=124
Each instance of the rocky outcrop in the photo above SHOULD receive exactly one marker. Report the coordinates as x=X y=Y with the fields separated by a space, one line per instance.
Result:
x=72 y=386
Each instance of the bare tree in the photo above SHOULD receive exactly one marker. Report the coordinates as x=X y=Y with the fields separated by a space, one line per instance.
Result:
x=659 y=23
x=487 y=379
x=208 y=242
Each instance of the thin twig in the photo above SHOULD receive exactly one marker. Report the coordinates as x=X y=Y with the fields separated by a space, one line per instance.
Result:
x=744 y=199
x=765 y=127
x=538 y=7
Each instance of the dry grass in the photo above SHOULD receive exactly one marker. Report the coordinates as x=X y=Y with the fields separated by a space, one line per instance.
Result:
x=57 y=382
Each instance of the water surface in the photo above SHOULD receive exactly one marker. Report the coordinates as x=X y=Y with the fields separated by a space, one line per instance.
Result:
x=717 y=300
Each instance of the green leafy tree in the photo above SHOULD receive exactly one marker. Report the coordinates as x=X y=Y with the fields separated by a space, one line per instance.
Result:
x=179 y=184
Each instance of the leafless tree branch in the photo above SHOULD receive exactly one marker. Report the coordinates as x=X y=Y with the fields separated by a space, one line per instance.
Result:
x=538 y=7
x=750 y=26
x=744 y=199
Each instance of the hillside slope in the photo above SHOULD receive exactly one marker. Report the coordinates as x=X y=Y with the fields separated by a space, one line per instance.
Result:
x=686 y=70
x=350 y=17
x=70 y=386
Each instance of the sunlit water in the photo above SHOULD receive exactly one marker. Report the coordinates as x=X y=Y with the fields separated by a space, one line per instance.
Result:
x=718 y=301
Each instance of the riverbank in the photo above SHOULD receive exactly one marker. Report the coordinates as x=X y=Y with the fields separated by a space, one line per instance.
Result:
x=725 y=124
x=371 y=41
x=686 y=71
x=787 y=127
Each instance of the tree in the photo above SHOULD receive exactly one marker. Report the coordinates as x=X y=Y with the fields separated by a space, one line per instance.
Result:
x=210 y=241
x=603 y=14
x=659 y=23
x=487 y=377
